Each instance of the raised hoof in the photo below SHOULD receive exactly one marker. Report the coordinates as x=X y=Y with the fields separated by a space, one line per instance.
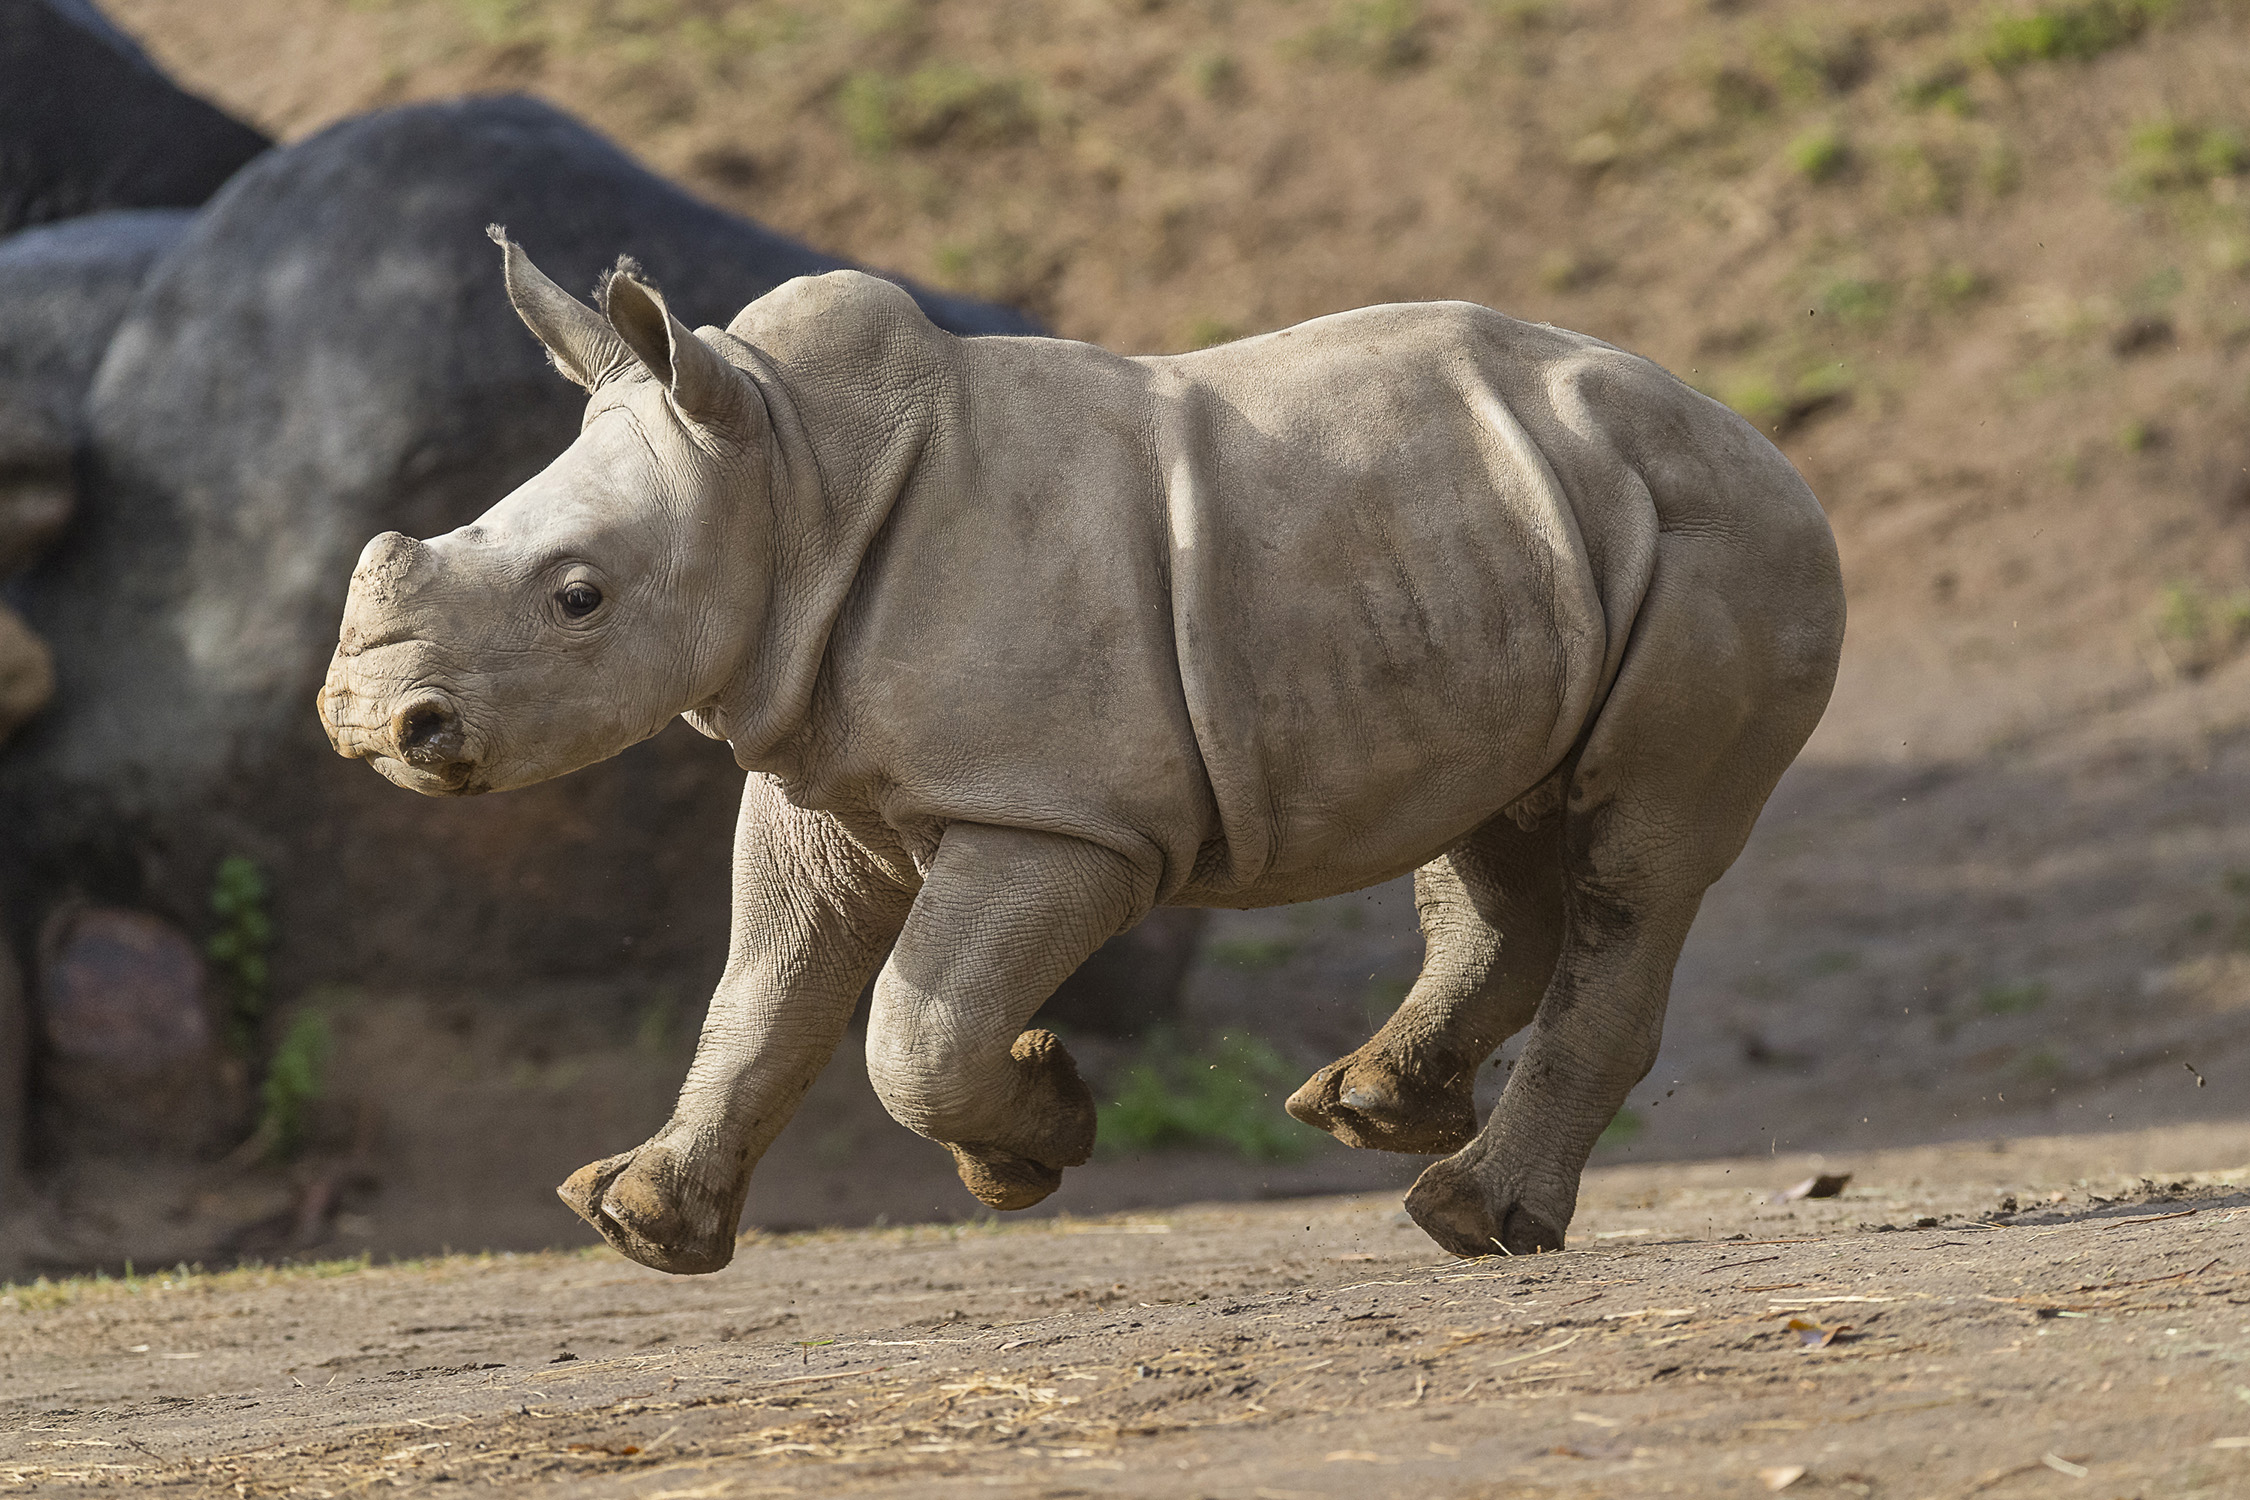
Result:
x=1061 y=1128
x=1448 y=1204
x=641 y=1203
x=1003 y=1179
x=1363 y=1102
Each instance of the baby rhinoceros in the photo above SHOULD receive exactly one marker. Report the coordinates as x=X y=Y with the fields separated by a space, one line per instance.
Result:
x=1018 y=638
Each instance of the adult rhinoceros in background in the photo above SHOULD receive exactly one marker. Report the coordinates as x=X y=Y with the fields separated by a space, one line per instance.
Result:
x=1018 y=639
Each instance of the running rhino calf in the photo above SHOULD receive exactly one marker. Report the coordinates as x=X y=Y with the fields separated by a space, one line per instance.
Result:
x=1018 y=639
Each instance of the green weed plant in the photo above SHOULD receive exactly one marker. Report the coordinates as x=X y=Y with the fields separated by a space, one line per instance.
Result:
x=1623 y=1130
x=939 y=102
x=2074 y=32
x=295 y=1080
x=2166 y=156
x=2013 y=999
x=239 y=946
x=1230 y=1097
x=1820 y=154
x=2198 y=630
x=1384 y=36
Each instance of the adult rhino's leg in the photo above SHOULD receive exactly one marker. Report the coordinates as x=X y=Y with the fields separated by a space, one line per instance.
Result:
x=1003 y=917
x=813 y=912
x=1492 y=920
x=1727 y=673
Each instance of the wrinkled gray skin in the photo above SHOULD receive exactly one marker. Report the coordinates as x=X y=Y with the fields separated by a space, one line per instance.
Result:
x=1018 y=639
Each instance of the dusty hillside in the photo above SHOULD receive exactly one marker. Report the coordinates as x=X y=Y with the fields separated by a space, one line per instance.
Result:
x=1985 y=275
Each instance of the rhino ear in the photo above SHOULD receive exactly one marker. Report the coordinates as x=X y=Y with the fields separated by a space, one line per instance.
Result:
x=706 y=389
x=586 y=349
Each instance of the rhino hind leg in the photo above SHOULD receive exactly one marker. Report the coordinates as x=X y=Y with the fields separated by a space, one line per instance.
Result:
x=1491 y=912
x=1680 y=760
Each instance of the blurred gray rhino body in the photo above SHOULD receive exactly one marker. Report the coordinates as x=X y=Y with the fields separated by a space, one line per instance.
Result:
x=63 y=290
x=90 y=125
x=1019 y=639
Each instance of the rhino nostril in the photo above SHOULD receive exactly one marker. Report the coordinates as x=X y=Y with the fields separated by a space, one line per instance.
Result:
x=427 y=733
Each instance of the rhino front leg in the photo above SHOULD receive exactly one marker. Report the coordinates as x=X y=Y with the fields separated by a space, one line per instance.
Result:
x=1003 y=917
x=813 y=911
x=1491 y=911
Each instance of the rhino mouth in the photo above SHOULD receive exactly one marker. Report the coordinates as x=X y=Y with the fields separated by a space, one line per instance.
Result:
x=456 y=779
x=419 y=740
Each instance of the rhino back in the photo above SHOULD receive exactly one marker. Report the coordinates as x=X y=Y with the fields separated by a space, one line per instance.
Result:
x=1390 y=622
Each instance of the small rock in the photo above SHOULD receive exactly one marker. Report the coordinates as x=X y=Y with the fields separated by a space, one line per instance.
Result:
x=133 y=1060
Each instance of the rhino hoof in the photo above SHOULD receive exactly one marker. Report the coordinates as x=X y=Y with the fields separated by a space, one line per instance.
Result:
x=1364 y=1102
x=641 y=1205
x=1003 y=1179
x=1452 y=1209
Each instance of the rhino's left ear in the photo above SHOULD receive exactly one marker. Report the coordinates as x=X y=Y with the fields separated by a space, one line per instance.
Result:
x=706 y=389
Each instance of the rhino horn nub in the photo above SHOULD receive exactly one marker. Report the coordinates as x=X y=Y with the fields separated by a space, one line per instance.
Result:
x=380 y=579
x=579 y=340
x=390 y=555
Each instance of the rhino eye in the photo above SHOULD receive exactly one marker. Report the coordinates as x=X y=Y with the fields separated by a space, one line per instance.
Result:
x=579 y=600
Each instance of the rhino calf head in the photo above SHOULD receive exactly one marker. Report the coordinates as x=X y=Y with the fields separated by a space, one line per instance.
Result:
x=608 y=593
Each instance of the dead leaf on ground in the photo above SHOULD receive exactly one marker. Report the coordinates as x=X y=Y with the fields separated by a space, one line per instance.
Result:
x=1782 y=1476
x=1811 y=1335
x=1821 y=1185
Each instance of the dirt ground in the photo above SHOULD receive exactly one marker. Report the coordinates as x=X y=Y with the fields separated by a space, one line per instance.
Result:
x=2046 y=1316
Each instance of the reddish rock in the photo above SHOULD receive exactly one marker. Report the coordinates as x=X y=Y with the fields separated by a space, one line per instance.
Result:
x=130 y=1055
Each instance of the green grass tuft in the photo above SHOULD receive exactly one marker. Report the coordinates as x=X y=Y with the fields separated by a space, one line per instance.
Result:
x=1622 y=1131
x=1215 y=75
x=1820 y=154
x=1857 y=303
x=2174 y=156
x=1229 y=1097
x=2012 y=999
x=1945 y=87
x=2072 y=32
x=1956 y=285
x=1385 y=36
x=936 y=103
x=1209 y=333
x=2196 y=630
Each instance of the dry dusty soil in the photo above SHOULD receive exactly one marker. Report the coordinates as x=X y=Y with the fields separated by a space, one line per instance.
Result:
x=2050 y=1316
